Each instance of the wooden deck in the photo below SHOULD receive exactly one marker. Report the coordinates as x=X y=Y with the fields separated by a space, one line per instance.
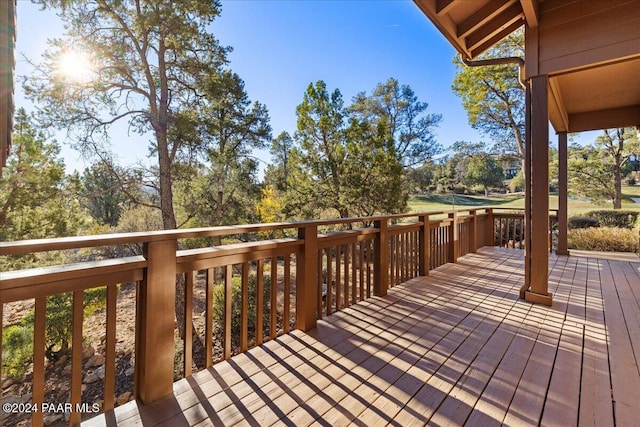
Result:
x=454 y=348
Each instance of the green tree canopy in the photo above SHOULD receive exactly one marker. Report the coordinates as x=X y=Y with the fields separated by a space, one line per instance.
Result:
x=483 y=170
x=493 y=97
x=405 y=118
x=152 y=59
x=597 y=171
x=102 y=195
x=344 y=165
x=37 y=200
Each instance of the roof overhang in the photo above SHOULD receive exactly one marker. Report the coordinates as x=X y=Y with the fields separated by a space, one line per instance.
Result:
x=589 y=49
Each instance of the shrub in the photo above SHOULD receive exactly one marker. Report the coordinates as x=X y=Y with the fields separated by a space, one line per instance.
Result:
x=614 y=218
x=59 y=325
x=17 y=349
x=236 y=304
x=576 y=222
x=608 y=239
x=517 y=183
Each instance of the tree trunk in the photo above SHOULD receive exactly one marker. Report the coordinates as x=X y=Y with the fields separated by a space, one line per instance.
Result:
x=617 y=178
x=169 y=223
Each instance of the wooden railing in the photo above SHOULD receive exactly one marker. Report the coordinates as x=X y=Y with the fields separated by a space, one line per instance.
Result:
x=265 y=287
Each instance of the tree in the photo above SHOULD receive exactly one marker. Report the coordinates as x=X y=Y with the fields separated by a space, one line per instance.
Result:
x=161 y=71
x=344 y=165
x=408 y=124
x=493 y=97
x=280 y=151
x=152 y=56
x=597 y=171
x=102 y=194
x=483 y=170
x=37 y=200
x=225 y=188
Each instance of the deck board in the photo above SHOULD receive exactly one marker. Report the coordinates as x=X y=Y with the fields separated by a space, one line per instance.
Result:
x=454 y=348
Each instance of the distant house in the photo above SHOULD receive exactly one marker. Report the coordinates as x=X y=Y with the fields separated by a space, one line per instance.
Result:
x=510 y=165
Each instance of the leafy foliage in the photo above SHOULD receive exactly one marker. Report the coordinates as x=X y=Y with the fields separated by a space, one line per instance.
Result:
x=153 y=57
x=576 y=222
x=37 y=199
x=407 y=123
x=59 y=325
x=483 y=170
x=493 y=97
x=102 y=194
x=236 y=304
x=615 y=218
x=17 y=349
x=596 y=171
x=343 y=164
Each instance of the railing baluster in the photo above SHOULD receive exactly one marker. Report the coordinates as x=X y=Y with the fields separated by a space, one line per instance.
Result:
x=347 y=254
x=208 y=326
x=287 y=293
x=110 y=349
x=369 y=257
x=398 y=260
x=260 y=301
x=329 y=298
x=188 y=319
x=76 y=356
x=319 y=309
x=273 y=321
x=362 y=269
x=228 y=295
x=392 y=259
x=244 y=313
x=354 y=264
x=338 y=278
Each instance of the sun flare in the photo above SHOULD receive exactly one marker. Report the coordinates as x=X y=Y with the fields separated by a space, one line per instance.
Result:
x=76 y=66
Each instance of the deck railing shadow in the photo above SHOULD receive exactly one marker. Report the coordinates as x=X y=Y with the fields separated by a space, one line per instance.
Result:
x=316 y=268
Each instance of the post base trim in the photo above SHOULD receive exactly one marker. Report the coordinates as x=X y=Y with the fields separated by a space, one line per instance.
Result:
x=535 y=298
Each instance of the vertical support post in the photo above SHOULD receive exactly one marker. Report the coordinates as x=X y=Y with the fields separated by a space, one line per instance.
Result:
x=490 y=232
x=453 y=238
x=473 y=231
x=307 y=278
x=381 y=259
x=527 y=194
x=423 y=243
x=155 y=322
x=539 y=208
x=563 y=220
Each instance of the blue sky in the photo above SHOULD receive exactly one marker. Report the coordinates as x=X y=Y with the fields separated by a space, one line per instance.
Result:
x=279 y=47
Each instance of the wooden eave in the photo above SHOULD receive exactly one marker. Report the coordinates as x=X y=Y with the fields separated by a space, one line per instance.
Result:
x=589 y=49
x=472 y=27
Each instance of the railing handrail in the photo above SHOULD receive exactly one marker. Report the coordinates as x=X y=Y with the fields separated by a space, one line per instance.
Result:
x=22 y=247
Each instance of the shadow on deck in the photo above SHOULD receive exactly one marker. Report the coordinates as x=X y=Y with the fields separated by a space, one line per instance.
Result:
x=454 y=348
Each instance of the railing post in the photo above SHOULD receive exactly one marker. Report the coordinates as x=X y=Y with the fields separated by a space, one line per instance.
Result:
x=307 y=278
x=423 y=262
x=473 y=232
x=490 y=232
x=453 y=237
x=156 y=322
x=381 y=259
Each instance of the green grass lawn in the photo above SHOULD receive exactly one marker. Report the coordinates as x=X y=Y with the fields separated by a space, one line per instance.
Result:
x=436 y=202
